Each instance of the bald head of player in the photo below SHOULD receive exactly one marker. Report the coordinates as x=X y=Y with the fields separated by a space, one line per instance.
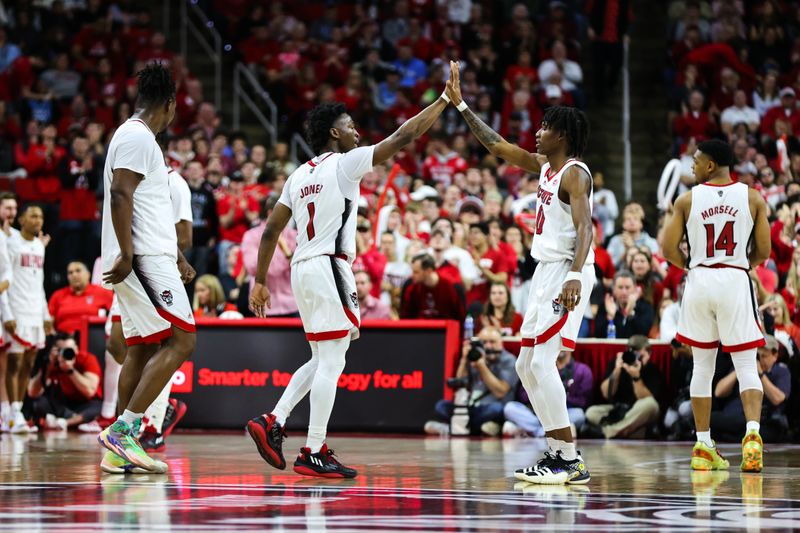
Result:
x=712 y=160
x=564 y=131
x=329 y=128
x=155 y=103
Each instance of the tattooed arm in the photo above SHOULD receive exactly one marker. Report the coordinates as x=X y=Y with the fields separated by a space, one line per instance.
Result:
x=492 y=140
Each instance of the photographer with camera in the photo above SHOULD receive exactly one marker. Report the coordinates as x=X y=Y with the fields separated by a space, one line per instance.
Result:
x=65 y=387
x=487 y=371
x=631 y=387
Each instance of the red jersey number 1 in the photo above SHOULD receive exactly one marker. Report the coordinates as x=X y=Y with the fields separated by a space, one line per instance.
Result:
x=310 y=227
x=539 y=221
x=723 y=242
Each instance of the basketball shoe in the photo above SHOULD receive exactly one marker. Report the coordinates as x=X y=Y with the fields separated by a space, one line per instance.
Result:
x=752 y=452
x=152 y=441
x=114 y=464
x=268 y=435
x=175 y=411
x=522 y=474
x=321 y=464
x=120 y=438
x=707 y=458
x=96 y=426
x=558 y=471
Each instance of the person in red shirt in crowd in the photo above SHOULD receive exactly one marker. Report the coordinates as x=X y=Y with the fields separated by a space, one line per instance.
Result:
x=496 y=240
x=783 y=234
x=157 y=51
x=236 y=214
x=258 y=49
x=499 y=312
x=442 y=163
x=491 y=261
x=421 y=46
x=602 y=259
x=369 y=306
x=80 y=174
x=522 y=69
x=368 y=257
x=66 y=390
x=429 y=296
x=351 y=93
x=69 y=305
x=786 y=112
x=694 y=121
x=41 y=160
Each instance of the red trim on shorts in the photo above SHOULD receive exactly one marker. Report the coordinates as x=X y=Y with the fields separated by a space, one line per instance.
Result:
x=527 y=343
x=155 y=338
x=552 y=330
x=568 y=343
x=21 y=342
x=343 y=257
x=175 y=321
x=696 y=344
x=352 y=317
x=718 y=265
x=328 y=335
x=745 y=346
x=116 y=318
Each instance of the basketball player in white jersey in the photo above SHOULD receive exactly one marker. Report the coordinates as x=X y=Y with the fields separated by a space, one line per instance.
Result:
x=159 y=424
x=322 y=196
x=26 y=319
x=144 y=266
x=720 y=218
x=563 y=280
x=8 y=212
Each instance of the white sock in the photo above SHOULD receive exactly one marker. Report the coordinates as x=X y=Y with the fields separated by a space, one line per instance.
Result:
x=155 y=413
x=752 y=425
x=110 y=387
x=16 y=408
x=129 y=417
x=5 y=410
x=298 y=386
x=568 y=451
x=705 y=438
x=323 y=389
x=553 y=444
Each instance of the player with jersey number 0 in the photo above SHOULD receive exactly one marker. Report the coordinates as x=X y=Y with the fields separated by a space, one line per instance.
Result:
x=322 y=197
x=720 y=219
x=564 y=279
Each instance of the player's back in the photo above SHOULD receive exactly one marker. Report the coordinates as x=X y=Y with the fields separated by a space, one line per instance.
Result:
x=719 y=226
x=323 y=196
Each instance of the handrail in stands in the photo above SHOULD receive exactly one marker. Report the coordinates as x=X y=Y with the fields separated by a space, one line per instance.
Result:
x=241 y=72
x=626 y=122
x=194 y=21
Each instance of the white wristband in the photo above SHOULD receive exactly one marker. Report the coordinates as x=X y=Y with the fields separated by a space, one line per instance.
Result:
x=572 y=276
x=462 y=106
x=445 y=97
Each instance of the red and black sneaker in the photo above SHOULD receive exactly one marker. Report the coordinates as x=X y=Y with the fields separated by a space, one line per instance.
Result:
x=321 y=464
x=175 y=411
x=152 y=441
x=268 y=435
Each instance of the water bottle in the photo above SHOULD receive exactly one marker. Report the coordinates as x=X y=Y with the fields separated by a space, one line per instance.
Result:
x=612 y=330
x=469 y=327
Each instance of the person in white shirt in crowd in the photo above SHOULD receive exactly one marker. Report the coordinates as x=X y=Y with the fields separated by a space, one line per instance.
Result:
x=738 y=113
x=457 y=256
x=395 y=273
x=605 y=208
x=26 y=319
x=633 y=234
x=560 y=70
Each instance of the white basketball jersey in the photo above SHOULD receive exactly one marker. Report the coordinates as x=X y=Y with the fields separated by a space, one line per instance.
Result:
x=719 y=225
x=26 y=293
x=555 y=232
x=323 y=196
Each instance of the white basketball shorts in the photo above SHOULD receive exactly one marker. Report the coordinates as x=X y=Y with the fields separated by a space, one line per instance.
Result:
x=544 y=317
x=325 y=290
x=152 y=299
x=719 y=306
x=25 y=338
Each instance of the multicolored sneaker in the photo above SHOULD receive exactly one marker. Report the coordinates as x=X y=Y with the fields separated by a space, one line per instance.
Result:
x=321 y=464
x=524 y=474
x=706 y=457
x=268 y=435
x=121 y=439
x=752 y=452
x=114 y=464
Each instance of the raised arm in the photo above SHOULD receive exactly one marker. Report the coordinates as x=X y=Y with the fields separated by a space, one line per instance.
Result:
x=674 y=229
x=411 y=129
x=762 y=244
x=489 y=138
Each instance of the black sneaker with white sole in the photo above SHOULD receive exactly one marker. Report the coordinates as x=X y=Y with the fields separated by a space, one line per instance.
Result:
x=321 y=464
x=557 y=471
x=523 y=473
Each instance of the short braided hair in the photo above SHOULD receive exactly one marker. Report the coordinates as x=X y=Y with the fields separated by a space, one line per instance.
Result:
x=573 y=123
x=155 y=85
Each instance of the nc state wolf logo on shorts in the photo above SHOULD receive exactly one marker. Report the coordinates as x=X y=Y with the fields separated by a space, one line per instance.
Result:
x=354 y=299
x=167 y=297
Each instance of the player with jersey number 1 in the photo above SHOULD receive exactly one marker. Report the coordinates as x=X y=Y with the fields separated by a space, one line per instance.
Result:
x=322 y=197
x=564 y=279
x=720 y=218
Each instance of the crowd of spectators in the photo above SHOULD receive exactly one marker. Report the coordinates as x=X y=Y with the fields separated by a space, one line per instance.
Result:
x=451 y=234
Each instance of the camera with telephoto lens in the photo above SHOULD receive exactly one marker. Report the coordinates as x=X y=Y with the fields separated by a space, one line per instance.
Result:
x=458 y=383
x=629 y=357
x=67 y=353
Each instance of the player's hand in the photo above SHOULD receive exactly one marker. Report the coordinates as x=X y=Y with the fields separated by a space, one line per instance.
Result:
x=44 y=237
x=570 y=294
x=48 y=327
x=121 y=269
x=4 y=286
x=453 y=86
x=259 y=300
x=10 y=326
x=186 y=271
